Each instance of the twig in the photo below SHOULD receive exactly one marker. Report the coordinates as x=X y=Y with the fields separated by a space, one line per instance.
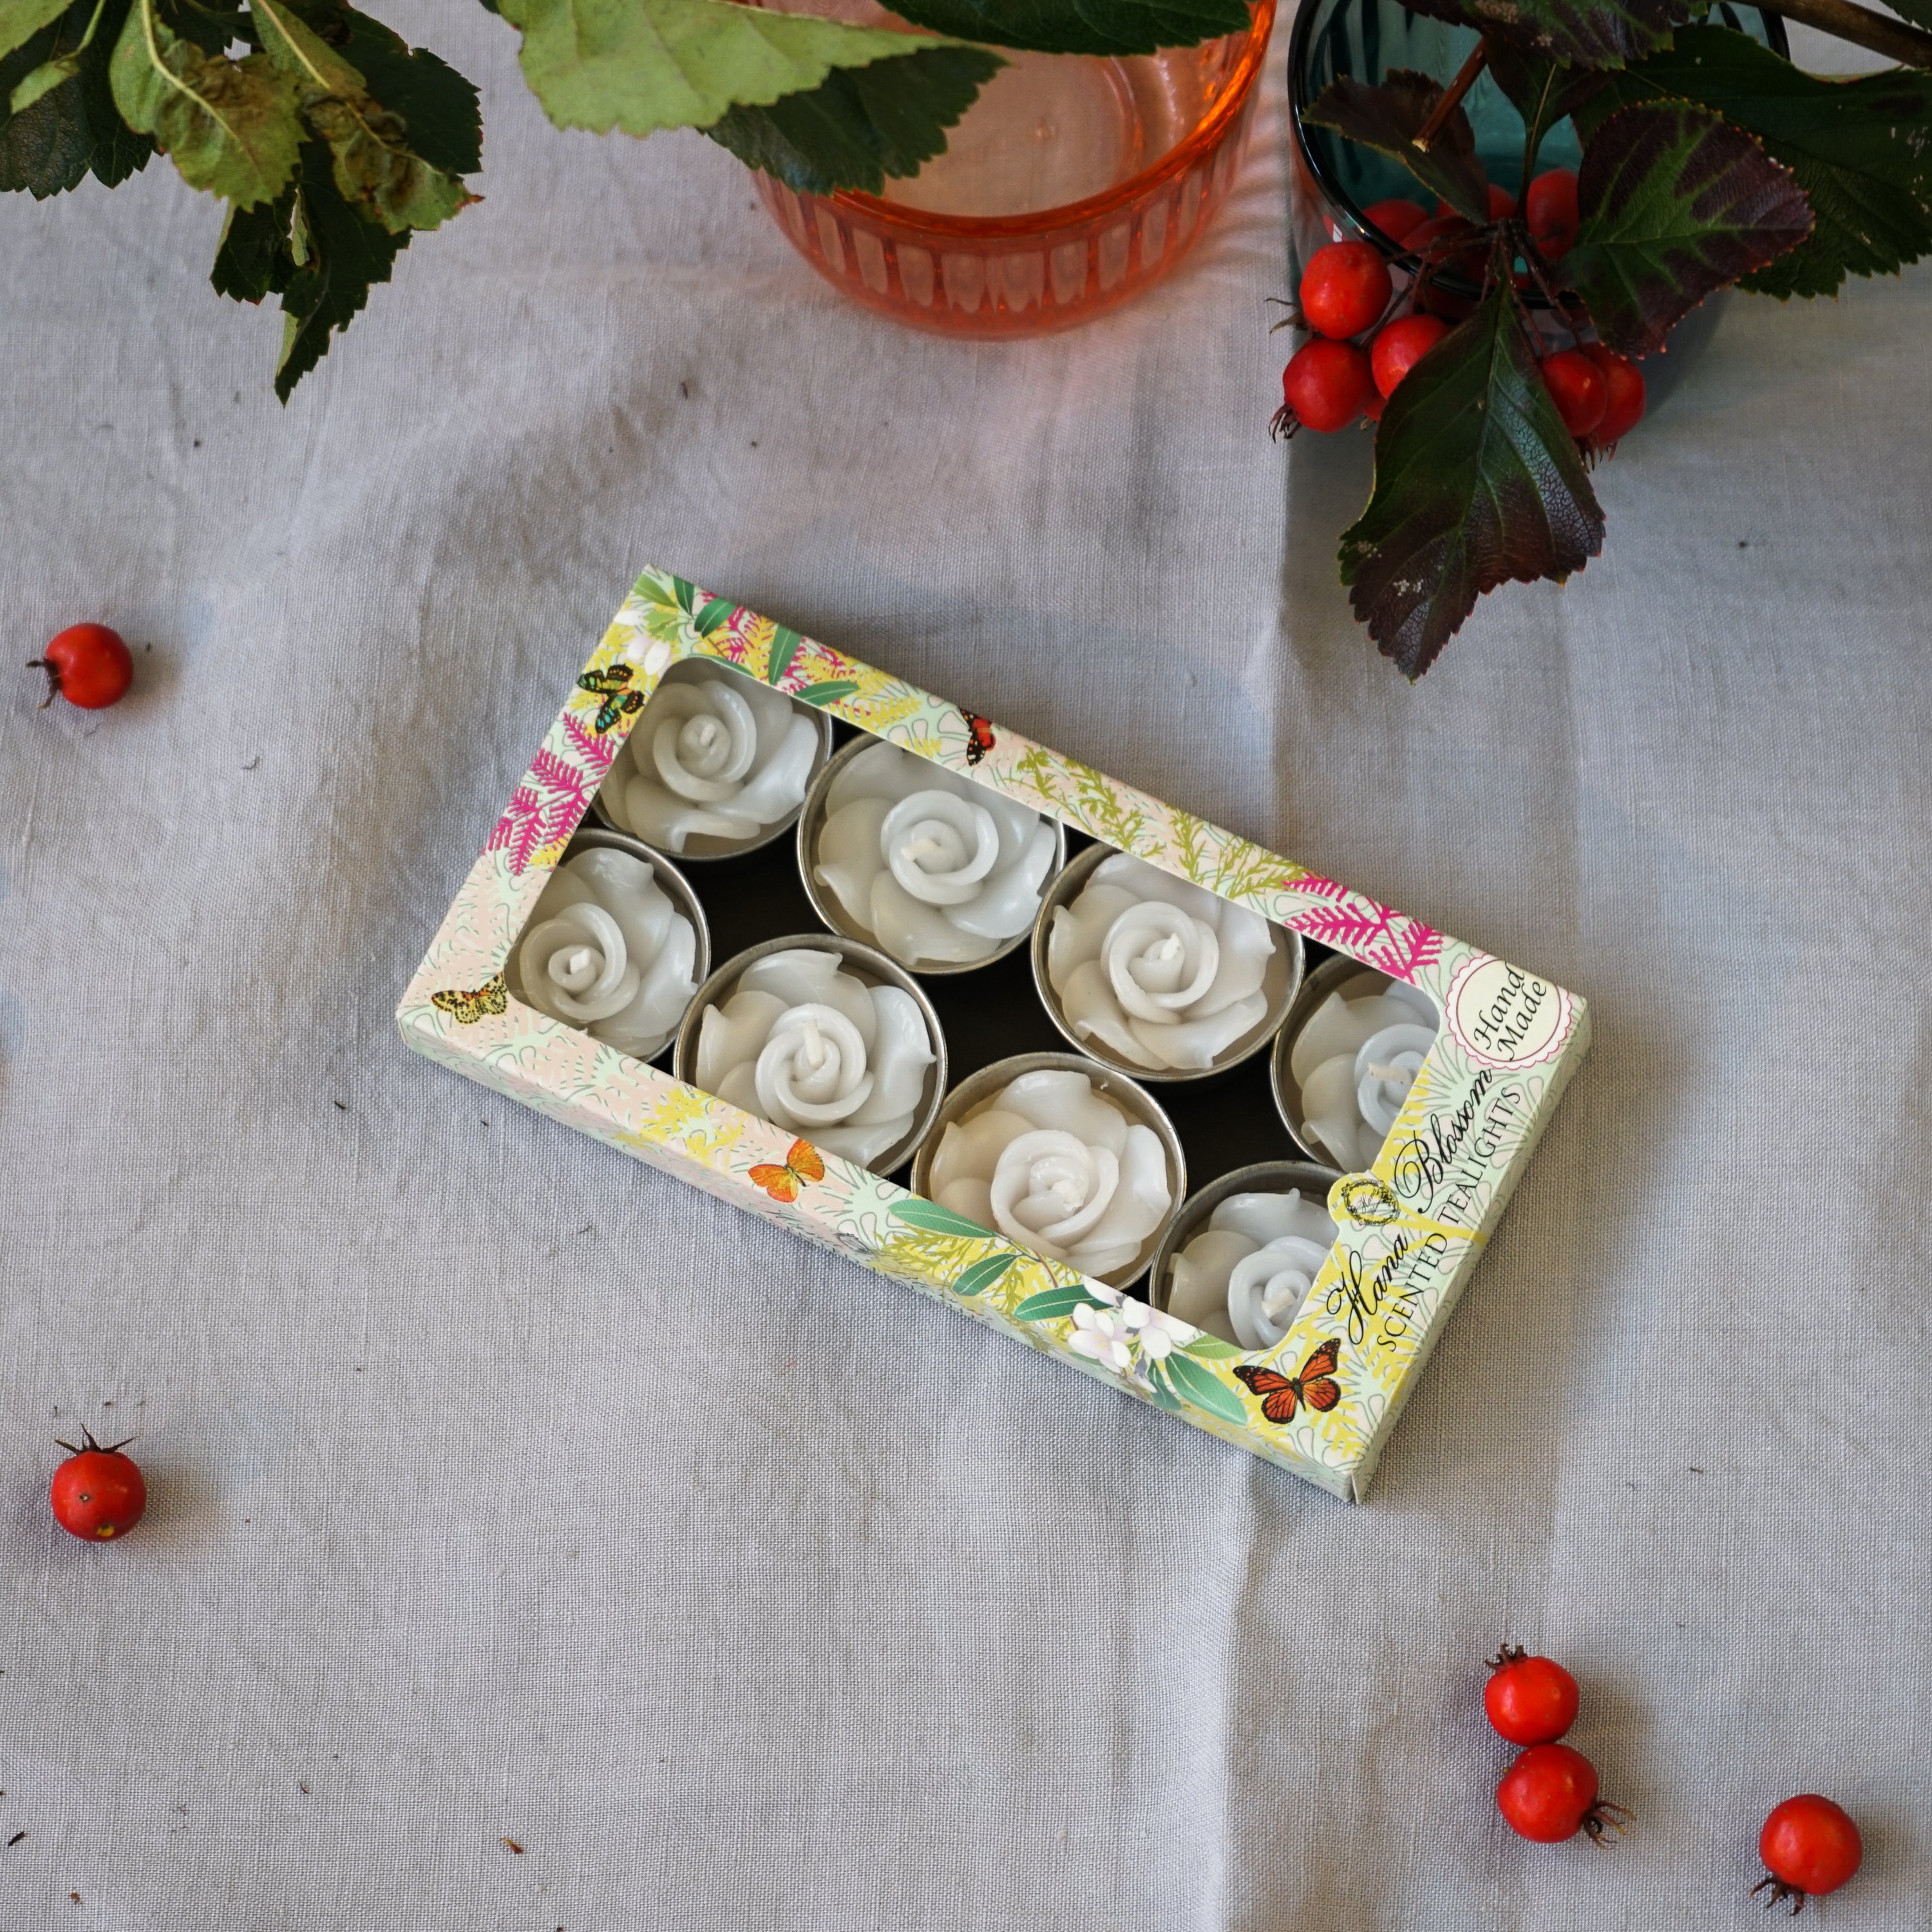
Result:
x=1478 y=59
x=1862 y=28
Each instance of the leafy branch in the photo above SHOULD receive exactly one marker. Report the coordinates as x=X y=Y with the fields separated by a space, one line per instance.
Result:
x=1708 y=161
x=333 y=143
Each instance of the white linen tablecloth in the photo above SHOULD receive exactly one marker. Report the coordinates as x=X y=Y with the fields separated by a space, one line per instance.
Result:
x=503 y=1491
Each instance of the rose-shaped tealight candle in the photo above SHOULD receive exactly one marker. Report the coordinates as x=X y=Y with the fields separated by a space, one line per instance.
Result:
x=1347 y=1058
x=823 y=1037
x=616 y=945
x=1155 y=975
x=1077 y=1164
x=942 y=873
x=1244 y=1253
x=717 y=764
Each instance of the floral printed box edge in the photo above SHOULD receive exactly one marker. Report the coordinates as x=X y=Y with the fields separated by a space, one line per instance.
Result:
x=1411 y=1229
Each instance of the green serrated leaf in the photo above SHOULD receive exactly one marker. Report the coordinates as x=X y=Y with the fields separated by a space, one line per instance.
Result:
x=643 y=64
x=230 y=127
x=1050 y=1304
x=858 y=126
x=982 y=1275
x=1476 y=483
x=253 y=260
x=438 y=106
x=49 y=143
x=931 y=1219
x=44 y=148
x=44 y=79
x=337 y=257
x=713 y=614
x=1212 y=1348
x=1205 y=1390
x=1081 y=26
x=1676 y=203
x=1861 y=150
x=1590 y=33
x=785 y=642
x=1543 y=90
x=1387 y=117
x=20 y=20
x=829 y=692
x=376 y=169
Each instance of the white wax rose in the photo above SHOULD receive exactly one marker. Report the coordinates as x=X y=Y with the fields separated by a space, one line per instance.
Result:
x=938 y=870
x=1354 y=1061
x=1245 y=1276
x=808 y=1045
x=1057 y=1166
x=715 y=755
x=607 y=950
x=1160 y=972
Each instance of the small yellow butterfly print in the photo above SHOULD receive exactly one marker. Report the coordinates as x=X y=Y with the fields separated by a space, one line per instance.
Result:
x=468 y=1008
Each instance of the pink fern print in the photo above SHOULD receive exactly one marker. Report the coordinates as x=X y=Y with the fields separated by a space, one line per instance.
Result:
x=544 y=808
x=595 y=752
x=1380 y=936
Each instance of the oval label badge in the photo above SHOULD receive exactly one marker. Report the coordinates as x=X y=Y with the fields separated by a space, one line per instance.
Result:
x=1501 y=1016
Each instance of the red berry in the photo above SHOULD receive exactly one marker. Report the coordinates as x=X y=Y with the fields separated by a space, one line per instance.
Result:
x=1577 y=385
x=1326 y=386
x=1344 y=289
x=1398 y=349
x=1394 y=218
x=97 y=1493
x=87 y=664
x=1550 y=207
x=1624 y=381
x=1810 y=1846
x=1530 y=1700
x=1549 y=1794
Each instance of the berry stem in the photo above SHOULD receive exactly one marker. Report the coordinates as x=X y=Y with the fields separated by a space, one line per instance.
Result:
x=1862 y=28
x=53 y=679
x=1479 y=56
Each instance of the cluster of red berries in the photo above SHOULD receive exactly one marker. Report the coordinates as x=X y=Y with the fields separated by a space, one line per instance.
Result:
x=1549 y=1793
x=1809 y=1846
x=1359 y=352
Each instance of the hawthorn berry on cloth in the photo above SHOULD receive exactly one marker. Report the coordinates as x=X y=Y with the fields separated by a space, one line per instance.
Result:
x=499 y=1489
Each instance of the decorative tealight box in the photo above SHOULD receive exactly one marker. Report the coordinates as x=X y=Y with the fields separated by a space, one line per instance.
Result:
x=1220 y=1132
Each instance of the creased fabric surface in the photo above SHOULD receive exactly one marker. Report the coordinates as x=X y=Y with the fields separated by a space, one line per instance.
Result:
x=503 y=1490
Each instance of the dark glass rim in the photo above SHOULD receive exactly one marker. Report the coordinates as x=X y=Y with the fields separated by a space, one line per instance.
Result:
x=1339 y=197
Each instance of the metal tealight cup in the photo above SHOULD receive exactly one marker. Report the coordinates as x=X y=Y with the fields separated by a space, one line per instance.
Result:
x=1140 y=1107
x=676 y=887
x=865 y=962
x=811 y=822
x=1066 y=886
x=701 y=848
x=1265 y=1176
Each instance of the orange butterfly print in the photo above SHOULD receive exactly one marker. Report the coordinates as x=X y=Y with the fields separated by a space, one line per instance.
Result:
x=1316 y=1385
x=801 y=1164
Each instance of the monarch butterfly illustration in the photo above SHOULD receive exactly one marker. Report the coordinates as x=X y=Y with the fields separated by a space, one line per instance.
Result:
x=801 y=1164
x=980 y=738
x=468 y=1008
x=613 y=686
x=1316 y=1385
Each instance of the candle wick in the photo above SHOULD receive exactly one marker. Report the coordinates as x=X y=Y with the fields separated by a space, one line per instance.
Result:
x=1169 y=950
x=919 y=848
x=814 y=1044
x=579 y=960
